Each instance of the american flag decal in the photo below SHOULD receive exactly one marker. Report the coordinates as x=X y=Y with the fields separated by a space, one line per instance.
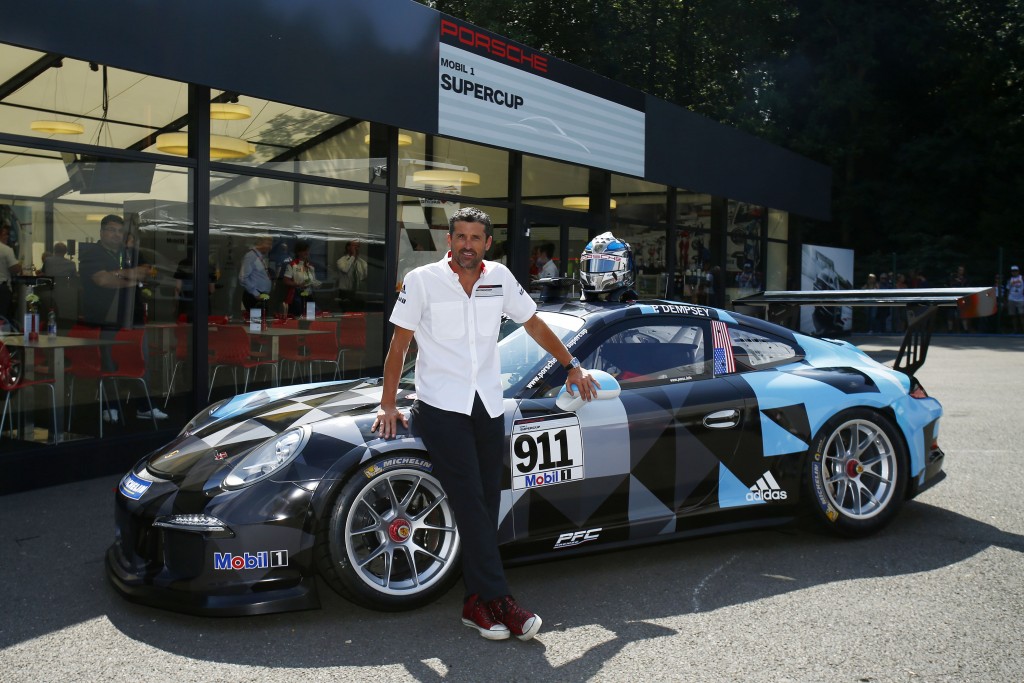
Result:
x=724 y=361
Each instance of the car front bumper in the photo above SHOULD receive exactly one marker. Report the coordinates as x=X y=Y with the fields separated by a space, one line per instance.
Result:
x=259 y=563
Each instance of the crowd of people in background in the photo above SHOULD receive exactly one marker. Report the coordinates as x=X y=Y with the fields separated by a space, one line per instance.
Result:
x=1009 y=295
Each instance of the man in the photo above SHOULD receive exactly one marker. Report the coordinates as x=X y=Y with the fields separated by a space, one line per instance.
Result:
x=300 y=279
x=109 y=284
x=1015 y=299
x=351 y=274
x=453 y=308
x=747 y=279
x=545 y=263
x=64 y=297
x=253 y=275
x=9 y=267
x=58 y=265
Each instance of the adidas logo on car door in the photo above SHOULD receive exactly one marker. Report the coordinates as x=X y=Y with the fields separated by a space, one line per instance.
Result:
x=766 y=488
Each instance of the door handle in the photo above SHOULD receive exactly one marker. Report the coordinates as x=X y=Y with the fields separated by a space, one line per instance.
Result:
x=722 y=419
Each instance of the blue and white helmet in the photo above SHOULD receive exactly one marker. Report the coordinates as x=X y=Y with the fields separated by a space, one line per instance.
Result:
x=606 y=265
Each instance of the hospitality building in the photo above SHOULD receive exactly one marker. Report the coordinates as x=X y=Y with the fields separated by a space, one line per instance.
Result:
x=354 y=126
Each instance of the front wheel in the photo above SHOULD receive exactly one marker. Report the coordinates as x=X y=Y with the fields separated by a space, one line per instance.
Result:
x=390 y=542
x=857 y=472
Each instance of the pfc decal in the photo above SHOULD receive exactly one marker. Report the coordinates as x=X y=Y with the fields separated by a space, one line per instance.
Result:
x=264 y=559
x=574 y=538
x=220 y=455
x=391 y=463
x=133 y=487
x=546 y=451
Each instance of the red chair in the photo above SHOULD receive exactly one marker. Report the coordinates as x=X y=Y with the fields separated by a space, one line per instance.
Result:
x=229 y=347
x=12 y=382
x=289 y=349
x=324 y=348
x=131 y=363
x=84 y=362
x=352 y=336
x=129 y=360
x=181 y=356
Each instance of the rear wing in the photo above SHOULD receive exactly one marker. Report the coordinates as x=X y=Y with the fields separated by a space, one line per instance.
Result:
x=921 y=304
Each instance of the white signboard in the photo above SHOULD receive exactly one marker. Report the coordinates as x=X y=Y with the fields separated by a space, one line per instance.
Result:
x=486 y=101
x=825 y=269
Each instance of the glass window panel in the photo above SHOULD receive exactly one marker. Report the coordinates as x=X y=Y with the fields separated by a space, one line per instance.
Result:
x=649 y=252
x=343 y=278
x=778 y=224
x=102 y=278
x=744 y=270
x=550 y=183
x=423 y=236
x=639 y=200
x=695 y=277
x=776 y=273
x=437 y=164
x=294 y=139
x=71 y=91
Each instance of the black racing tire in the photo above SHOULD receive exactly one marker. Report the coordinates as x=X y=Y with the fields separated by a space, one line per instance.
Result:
x=857 y=472
x=390 y=541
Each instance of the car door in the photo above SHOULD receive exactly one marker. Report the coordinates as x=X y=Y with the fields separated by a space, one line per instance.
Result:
x=645 y=459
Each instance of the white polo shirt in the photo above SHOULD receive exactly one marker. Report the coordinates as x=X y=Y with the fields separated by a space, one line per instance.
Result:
x=457 y=334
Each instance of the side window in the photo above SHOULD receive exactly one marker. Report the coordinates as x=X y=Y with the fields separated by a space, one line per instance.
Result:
x=646 y=352
x=756 y=350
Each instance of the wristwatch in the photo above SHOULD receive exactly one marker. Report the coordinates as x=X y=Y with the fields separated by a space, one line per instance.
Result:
x=573 y=363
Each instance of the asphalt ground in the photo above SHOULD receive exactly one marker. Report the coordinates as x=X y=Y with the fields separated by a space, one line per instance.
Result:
x=937 y=596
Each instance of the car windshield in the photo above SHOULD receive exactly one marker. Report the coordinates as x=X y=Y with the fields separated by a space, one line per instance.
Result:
x=521 y=357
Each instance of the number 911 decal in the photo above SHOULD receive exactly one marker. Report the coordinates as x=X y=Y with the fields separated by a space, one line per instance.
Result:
x=546 y=450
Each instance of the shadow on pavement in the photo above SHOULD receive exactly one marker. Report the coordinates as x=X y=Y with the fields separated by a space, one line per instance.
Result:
x=593 y=607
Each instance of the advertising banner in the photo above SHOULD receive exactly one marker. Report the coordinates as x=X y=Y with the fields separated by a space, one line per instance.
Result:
x=499 y=93
x=826 y=268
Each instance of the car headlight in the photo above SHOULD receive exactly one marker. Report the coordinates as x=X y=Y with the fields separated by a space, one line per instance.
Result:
x=267 y=458
x=202 y=418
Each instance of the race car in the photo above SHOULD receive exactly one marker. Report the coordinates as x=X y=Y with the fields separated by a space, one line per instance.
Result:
x=709 y=420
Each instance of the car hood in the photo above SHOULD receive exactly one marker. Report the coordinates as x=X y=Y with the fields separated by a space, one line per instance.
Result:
x=214 y=442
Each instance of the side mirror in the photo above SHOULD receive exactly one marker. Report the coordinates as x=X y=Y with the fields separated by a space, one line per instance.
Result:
x=609 y=388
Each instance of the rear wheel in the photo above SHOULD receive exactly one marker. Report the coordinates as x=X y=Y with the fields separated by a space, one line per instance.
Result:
x=857 y=472
x=390 y=542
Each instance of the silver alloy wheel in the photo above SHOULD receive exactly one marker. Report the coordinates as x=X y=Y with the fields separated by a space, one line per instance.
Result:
x=400 y=534
x=859 y=469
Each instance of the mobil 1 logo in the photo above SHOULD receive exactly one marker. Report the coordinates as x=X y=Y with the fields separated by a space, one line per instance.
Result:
x=546 y=450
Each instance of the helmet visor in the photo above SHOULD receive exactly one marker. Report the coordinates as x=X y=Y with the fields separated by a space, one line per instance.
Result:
x=602 y=263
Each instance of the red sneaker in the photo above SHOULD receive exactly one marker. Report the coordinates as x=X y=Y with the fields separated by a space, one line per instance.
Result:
x=523 y=625
x=477 y=614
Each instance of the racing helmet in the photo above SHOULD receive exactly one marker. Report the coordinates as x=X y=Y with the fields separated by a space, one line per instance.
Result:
x=606 y=265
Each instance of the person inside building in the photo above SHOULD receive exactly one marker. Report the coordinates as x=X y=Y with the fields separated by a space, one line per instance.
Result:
x=453 y=308
x=254 y=276
x=1015 y=300
x=9 y=267
x=64 y=297
x=109 y=285
x=300 y=280
x=352 y=272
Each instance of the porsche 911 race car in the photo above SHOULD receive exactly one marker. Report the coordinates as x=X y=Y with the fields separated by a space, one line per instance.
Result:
x=721 y=421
